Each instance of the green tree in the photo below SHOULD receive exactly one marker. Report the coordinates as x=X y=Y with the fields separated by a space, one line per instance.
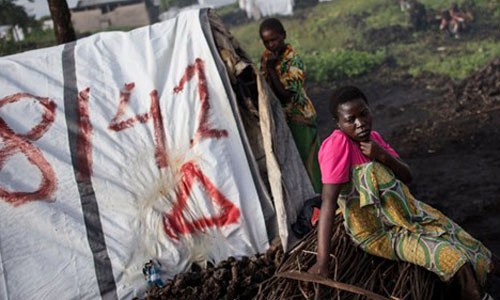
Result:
x=13 y=14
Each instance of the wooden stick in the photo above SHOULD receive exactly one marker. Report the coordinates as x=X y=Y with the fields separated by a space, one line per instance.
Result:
x=328 y=282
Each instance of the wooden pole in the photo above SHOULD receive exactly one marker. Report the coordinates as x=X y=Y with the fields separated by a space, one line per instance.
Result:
x=61 y=16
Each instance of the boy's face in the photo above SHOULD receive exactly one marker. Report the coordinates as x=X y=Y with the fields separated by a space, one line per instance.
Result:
x=355 y=119
x=273 y=41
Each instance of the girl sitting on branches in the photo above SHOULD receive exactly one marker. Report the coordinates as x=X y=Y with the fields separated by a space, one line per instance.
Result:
x=367 y=179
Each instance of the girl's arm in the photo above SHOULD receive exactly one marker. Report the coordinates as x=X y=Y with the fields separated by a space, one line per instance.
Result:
x=283 y=94
x=329 y=197
x=374 y=151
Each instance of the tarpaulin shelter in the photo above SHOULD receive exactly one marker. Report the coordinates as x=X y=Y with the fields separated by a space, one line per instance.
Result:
x=160 y=143
x=262 y=8
x=216 y=3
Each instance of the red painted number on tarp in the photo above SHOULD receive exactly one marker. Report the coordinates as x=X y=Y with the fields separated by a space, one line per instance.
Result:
x=83 y=139
x=14 y=143
x=203 y=131
x=175 y=223
x=154 y=114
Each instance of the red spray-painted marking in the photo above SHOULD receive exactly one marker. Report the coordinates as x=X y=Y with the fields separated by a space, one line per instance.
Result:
x=174 y=222
x=15 y=143
x=83 y=140
x=154 y=113
x=159 y=133
x=203 y=130
x=117 y=125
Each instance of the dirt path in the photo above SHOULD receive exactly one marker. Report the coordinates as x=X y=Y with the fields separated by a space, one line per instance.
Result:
x=450 y=139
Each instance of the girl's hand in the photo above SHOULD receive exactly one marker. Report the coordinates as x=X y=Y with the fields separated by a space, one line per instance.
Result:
x=271 y=63
x=373 y=150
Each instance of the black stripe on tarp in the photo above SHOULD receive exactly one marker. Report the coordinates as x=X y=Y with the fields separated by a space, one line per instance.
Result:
x=91 y=216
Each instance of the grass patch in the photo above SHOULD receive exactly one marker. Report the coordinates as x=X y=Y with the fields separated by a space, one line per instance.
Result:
x=341 y=64
x=458 y=64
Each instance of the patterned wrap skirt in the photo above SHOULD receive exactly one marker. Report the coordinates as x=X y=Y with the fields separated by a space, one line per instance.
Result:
x=384 y=219
x=307 y=140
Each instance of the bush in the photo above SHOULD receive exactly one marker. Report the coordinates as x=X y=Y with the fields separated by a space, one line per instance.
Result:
x=341 y=64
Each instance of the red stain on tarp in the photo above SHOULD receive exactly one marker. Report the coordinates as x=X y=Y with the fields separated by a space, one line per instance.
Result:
x=203 y=131
x=174 y=222
x=14 y=143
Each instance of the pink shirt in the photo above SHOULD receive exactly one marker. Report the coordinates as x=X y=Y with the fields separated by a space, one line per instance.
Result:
x=338 y=153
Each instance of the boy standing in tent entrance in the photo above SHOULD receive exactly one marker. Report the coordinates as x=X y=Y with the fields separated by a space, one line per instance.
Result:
x=283 y=69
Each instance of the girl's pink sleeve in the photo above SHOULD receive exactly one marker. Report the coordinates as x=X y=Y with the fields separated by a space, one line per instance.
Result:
x=378 y=138
x=334 y=159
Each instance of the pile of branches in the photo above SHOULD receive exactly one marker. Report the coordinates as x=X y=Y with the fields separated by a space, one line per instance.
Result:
x=354 y=274
x=230 y=279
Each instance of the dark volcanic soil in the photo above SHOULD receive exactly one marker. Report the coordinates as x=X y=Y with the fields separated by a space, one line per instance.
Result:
x=449 y=134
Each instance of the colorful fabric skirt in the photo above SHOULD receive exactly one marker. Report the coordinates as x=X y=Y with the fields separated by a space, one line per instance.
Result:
x=307 y=140
x=384 y=219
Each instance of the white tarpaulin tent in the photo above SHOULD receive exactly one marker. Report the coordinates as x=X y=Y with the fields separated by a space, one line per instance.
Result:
x=261 y=8
x=125 y=147
x=216 y=3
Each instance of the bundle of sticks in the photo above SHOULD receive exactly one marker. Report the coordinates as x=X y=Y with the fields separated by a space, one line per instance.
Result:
x=354 y=274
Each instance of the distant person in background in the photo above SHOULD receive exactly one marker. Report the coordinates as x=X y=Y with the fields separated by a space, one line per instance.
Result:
x=417 y=14
x=454 y=21
x=284 y=70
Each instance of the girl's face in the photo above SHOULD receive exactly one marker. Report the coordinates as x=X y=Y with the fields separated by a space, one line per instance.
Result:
x=355 y=119
x=273 y=41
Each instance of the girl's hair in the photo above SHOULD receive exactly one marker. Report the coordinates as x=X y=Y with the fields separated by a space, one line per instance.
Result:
x=272 y=24
x=342 y=95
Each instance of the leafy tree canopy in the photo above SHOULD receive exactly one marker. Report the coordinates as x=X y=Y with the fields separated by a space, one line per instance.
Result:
x=13 y=14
